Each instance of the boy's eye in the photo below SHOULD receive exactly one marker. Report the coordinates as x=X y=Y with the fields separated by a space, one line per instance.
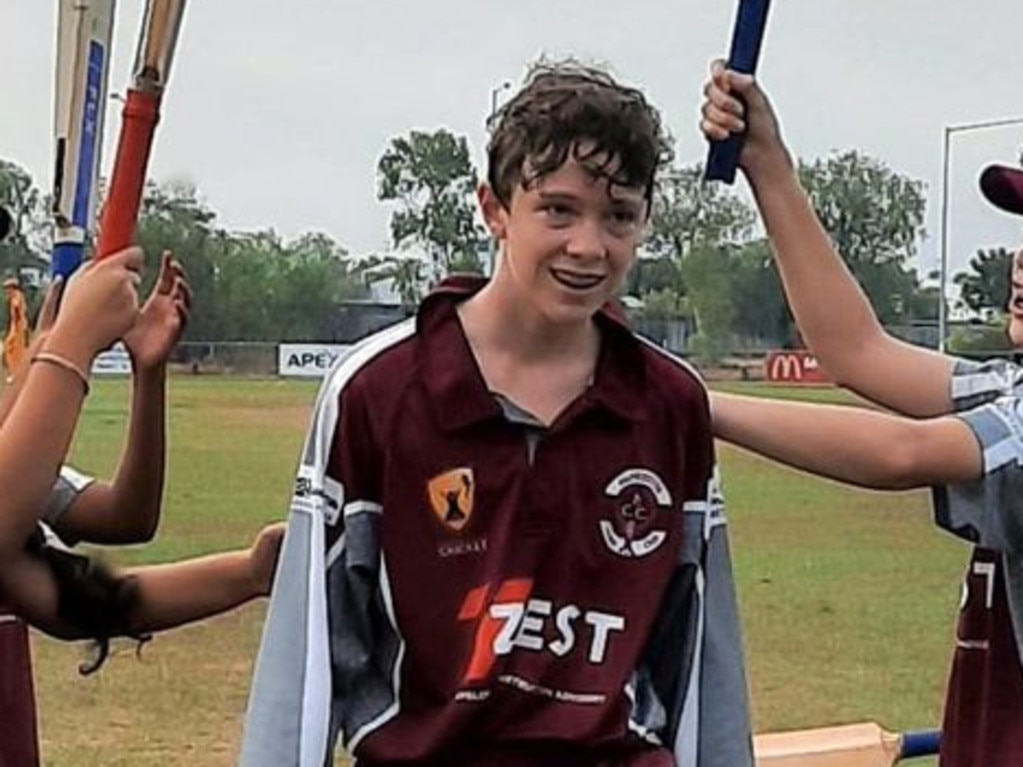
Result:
x=556 y=209
x=624 y=220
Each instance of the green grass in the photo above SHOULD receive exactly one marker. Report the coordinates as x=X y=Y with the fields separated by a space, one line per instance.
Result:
x=848 y=597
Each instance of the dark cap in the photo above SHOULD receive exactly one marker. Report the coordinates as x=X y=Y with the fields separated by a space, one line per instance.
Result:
x=1003 y=187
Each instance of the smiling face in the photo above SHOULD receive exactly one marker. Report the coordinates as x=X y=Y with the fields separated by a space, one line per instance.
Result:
x=568 y=239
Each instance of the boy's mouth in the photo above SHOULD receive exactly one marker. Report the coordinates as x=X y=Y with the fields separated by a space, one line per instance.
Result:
x=1016 y=299
x=576 y=280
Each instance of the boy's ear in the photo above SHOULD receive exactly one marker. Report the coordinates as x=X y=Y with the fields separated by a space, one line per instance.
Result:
x=495 y=215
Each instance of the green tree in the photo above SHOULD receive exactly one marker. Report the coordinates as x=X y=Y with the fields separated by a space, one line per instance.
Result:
x=25 y=203
x=690 y=222
x=315 y=277
x=986 y=284
x=405 y=270
x=709 y=273
x=875 y=218
x=431 y=180
x=762 y=313
x=173 y=218
x=688 y=212
x=248 y=286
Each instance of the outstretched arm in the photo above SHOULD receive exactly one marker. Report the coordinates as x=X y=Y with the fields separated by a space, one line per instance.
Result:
x=851 y=444
x=182 y=592
x=832 y=312
x=162 y=597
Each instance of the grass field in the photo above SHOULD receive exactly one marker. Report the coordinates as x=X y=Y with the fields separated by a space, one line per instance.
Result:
x=848 y=597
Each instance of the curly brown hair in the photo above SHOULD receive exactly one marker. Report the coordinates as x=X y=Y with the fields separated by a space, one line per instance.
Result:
x=563 y=107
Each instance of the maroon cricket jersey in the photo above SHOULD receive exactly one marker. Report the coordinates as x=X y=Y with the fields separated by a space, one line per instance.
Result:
x=18 y=735
x=524 y=568
x=983 y=724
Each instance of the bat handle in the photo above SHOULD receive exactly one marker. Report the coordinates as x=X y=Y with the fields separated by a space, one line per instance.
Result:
x=124 y=198
x=66 y=258
x=723 y=159
x=920 y=744
x=723 y=156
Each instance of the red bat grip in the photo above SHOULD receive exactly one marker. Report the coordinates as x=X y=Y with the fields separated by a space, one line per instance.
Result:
x=124 y=197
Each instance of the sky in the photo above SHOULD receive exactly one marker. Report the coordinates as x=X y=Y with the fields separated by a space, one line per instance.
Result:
x=278 y=112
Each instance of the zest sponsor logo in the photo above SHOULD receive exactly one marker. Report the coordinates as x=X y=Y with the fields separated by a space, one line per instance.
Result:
x=508 y=618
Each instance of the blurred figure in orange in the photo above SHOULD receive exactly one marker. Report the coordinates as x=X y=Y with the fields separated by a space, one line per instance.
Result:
x=16 y=340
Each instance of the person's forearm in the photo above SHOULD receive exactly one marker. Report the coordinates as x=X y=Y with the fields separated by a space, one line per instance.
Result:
x=835 y=316
x=137 y=489
x=829 y=306
x=34 y=440
x=181 y=592
x=849 y=444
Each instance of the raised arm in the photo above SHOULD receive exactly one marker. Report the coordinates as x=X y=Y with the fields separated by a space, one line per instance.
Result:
x=833 y=314
x=127 y=510
x=101 y=303
x=851 y=444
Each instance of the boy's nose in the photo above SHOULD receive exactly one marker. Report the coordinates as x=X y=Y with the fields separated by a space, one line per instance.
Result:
x=587 y=240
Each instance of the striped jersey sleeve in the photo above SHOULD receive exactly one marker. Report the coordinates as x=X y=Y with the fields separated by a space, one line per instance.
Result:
x=296 y=709
x=988 y=511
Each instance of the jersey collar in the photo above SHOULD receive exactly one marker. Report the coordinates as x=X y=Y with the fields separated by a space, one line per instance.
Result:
x=457 y=388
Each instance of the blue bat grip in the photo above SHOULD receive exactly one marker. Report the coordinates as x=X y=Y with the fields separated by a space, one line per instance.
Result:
x=750 y=22
x=66 y=257
x=920 y=744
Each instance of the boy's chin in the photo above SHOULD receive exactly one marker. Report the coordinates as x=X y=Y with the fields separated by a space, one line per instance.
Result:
x=1015 y=332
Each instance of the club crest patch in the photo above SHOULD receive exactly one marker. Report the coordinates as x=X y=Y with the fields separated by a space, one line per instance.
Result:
x=639 y=495
x=451 y=497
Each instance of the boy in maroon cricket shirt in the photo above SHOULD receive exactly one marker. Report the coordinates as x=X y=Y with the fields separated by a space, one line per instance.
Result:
x=507 y=544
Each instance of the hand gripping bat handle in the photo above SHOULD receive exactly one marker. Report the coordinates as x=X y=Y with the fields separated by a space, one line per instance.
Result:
x=748 y=34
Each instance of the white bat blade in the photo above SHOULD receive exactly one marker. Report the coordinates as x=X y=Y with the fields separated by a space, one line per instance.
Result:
x=84 y=31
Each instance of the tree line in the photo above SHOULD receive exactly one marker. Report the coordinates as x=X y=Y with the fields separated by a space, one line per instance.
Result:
x=705 y=264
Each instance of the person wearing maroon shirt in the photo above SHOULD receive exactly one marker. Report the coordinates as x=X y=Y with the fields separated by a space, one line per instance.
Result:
x=507 y=544
x=963 y=435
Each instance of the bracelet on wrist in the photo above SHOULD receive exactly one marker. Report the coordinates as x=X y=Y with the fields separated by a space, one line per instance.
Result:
x=63 y=362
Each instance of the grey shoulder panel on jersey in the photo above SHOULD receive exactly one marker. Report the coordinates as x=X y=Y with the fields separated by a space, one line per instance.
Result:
x=692 y=689
x=275 y=721
x=988 y=511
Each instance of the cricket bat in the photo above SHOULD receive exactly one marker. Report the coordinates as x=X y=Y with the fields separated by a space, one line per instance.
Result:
x=157 y=40
x=84 y=31
x=852 y=745
x=747 y=36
